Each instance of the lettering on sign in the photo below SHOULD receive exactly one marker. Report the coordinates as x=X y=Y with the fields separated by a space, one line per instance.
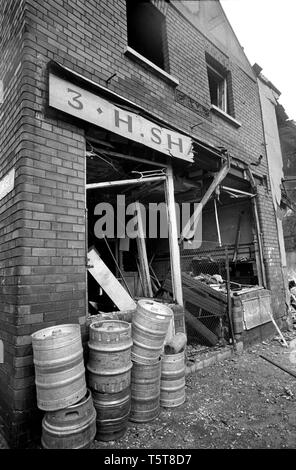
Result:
x=7 y=183
x=90 y=107
x=192 y=104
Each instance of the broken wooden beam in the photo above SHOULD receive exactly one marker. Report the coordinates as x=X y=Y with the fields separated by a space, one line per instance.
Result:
x=218 y=178
x=198 y=285
x=175 y=260
x=106 y=279
x=142 y=252
x=199 y=299
x=201 y=329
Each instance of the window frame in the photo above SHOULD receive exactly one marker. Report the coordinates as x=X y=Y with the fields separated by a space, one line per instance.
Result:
x=136 y=36
x=222 y=97
x=226 y=108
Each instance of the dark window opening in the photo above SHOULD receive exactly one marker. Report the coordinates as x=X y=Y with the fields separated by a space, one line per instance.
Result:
x=218 y=89
x=146 y=31
x=220 y=86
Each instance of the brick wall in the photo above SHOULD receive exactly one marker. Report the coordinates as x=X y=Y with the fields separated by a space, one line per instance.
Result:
x=90 y=38
x=272 y=257
x=287 y=133
x=11 y=213
x=42 y=220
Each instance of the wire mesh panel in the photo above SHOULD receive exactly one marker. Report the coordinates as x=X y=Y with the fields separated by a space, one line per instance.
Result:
x=205 y=294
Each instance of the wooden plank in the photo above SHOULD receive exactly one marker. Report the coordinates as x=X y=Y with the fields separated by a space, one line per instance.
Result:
x=173 y=238
x=236 y=244
x=108 y=282
x=205 y=303
x=202 y=286
x=201 y=328
x=208 y=303
x=198 y=300
x=143 y=260
x=216 y=181
x=217 y=223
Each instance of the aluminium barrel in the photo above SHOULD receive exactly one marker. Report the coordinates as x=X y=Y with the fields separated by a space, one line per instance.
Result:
x=71 y=428
x=59 y=366
x=113 y=410
x=172 y=381
x=150 y=324
x=145 y=391
x=109 y=364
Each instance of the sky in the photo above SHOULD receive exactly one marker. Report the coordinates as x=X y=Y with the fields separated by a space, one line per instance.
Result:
x=266 y=29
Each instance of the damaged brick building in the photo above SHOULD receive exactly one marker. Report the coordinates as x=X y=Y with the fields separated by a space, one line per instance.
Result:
x=287 y=134
x=109 y=91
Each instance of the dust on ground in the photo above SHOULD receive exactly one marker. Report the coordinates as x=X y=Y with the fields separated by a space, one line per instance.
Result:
x=241 y=403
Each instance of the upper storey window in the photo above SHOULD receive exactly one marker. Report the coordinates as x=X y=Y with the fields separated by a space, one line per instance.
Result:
x=218 y=88
x=146 y=31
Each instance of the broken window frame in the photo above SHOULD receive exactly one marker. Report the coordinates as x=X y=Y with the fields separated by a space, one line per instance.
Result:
x=175 y=262
x=221 y=88
x=136 y=39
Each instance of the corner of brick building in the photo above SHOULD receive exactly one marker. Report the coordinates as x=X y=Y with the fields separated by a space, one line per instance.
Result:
x=42 y=221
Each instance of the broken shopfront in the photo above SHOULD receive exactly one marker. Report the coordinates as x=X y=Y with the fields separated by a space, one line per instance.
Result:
x=164 y=215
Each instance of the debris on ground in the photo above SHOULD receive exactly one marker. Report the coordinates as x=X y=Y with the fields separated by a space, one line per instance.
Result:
x=241 y=403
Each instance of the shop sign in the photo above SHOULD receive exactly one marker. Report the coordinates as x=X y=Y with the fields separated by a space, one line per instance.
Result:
x=86 y=105
x=7 y=183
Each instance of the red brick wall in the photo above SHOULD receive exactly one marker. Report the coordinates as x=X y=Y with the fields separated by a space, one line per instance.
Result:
x=42 y=221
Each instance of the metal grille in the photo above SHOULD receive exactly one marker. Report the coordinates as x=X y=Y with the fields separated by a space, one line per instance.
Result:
x=203 y=264
x=202 y=293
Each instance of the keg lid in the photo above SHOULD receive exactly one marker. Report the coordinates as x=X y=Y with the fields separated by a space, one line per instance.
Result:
x=110 y=325
x=155 y=307
x=56 y=331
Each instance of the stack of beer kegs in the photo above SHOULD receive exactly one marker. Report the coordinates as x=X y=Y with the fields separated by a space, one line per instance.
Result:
x=70 y=418
x=109 y=376
x=150 y=324
x=172 y=383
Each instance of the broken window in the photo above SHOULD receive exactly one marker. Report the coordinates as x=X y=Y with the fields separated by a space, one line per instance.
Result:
x=218 y=89
x=146 y=31
x=219 y=86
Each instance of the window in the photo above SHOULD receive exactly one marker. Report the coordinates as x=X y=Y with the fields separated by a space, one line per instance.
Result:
x=221 y=92
x=146 y=31
x=218 y=89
